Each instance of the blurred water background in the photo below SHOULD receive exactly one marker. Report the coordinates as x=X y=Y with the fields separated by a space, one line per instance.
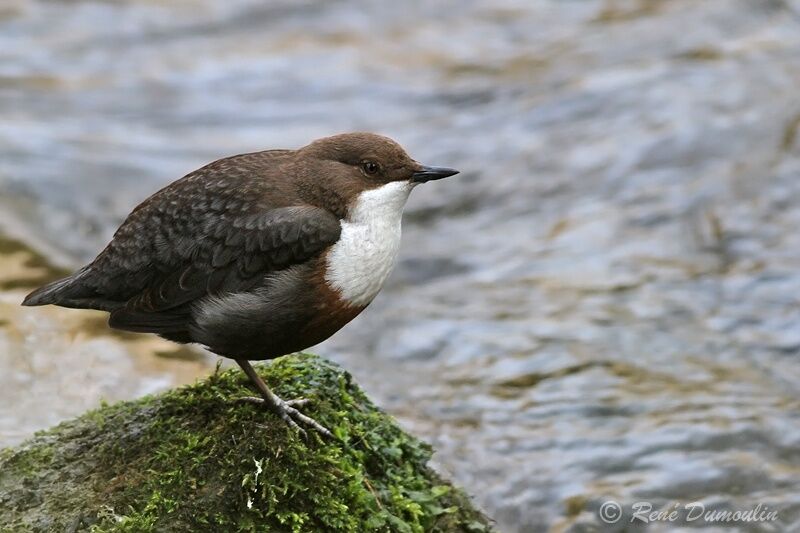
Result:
x=603 y=305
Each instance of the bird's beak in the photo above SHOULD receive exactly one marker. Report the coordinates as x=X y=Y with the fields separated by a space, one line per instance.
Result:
x=432 y=173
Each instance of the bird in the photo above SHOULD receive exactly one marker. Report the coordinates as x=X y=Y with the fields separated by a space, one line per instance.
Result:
x=257 y=255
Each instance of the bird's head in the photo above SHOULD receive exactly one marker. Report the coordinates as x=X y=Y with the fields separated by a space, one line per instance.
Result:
x=370 y=167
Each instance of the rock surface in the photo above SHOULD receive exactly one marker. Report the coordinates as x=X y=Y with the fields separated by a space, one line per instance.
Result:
x=193 y=460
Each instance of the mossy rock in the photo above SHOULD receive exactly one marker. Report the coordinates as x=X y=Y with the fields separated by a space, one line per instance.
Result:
x=193 y=460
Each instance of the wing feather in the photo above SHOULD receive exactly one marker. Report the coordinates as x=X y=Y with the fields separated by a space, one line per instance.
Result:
x=277 y=239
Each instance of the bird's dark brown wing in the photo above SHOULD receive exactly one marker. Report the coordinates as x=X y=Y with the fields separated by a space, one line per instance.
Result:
x=235 y=254
x=230 y=255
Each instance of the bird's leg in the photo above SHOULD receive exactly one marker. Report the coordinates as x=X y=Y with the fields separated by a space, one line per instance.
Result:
x=285 y=409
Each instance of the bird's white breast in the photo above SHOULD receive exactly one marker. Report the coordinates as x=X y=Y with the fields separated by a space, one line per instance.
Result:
x=365 y=254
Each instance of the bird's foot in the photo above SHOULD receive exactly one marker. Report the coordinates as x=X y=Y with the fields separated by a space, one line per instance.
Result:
x=286 y=409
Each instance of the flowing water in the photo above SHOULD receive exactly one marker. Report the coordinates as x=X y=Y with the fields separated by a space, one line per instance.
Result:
x=602 y=306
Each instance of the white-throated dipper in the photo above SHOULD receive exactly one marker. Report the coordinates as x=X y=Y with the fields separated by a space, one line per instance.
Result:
x=256 y=255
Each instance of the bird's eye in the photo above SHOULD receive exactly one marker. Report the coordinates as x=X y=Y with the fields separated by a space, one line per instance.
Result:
x=370 y=167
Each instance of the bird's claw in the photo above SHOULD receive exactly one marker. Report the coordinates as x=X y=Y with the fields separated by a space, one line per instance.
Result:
x=286 y=410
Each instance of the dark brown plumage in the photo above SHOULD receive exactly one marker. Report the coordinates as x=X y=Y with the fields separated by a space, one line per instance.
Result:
x=234 y=255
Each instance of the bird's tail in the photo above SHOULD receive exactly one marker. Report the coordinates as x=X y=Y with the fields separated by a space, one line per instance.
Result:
x=66 y=292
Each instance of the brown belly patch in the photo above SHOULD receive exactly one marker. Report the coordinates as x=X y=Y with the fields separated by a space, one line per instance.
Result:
x=331 y=312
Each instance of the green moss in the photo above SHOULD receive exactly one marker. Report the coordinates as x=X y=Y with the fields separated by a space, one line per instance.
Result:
x=193 y=460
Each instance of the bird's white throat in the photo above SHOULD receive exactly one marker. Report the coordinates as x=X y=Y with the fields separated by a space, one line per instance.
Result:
x=365 y=254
